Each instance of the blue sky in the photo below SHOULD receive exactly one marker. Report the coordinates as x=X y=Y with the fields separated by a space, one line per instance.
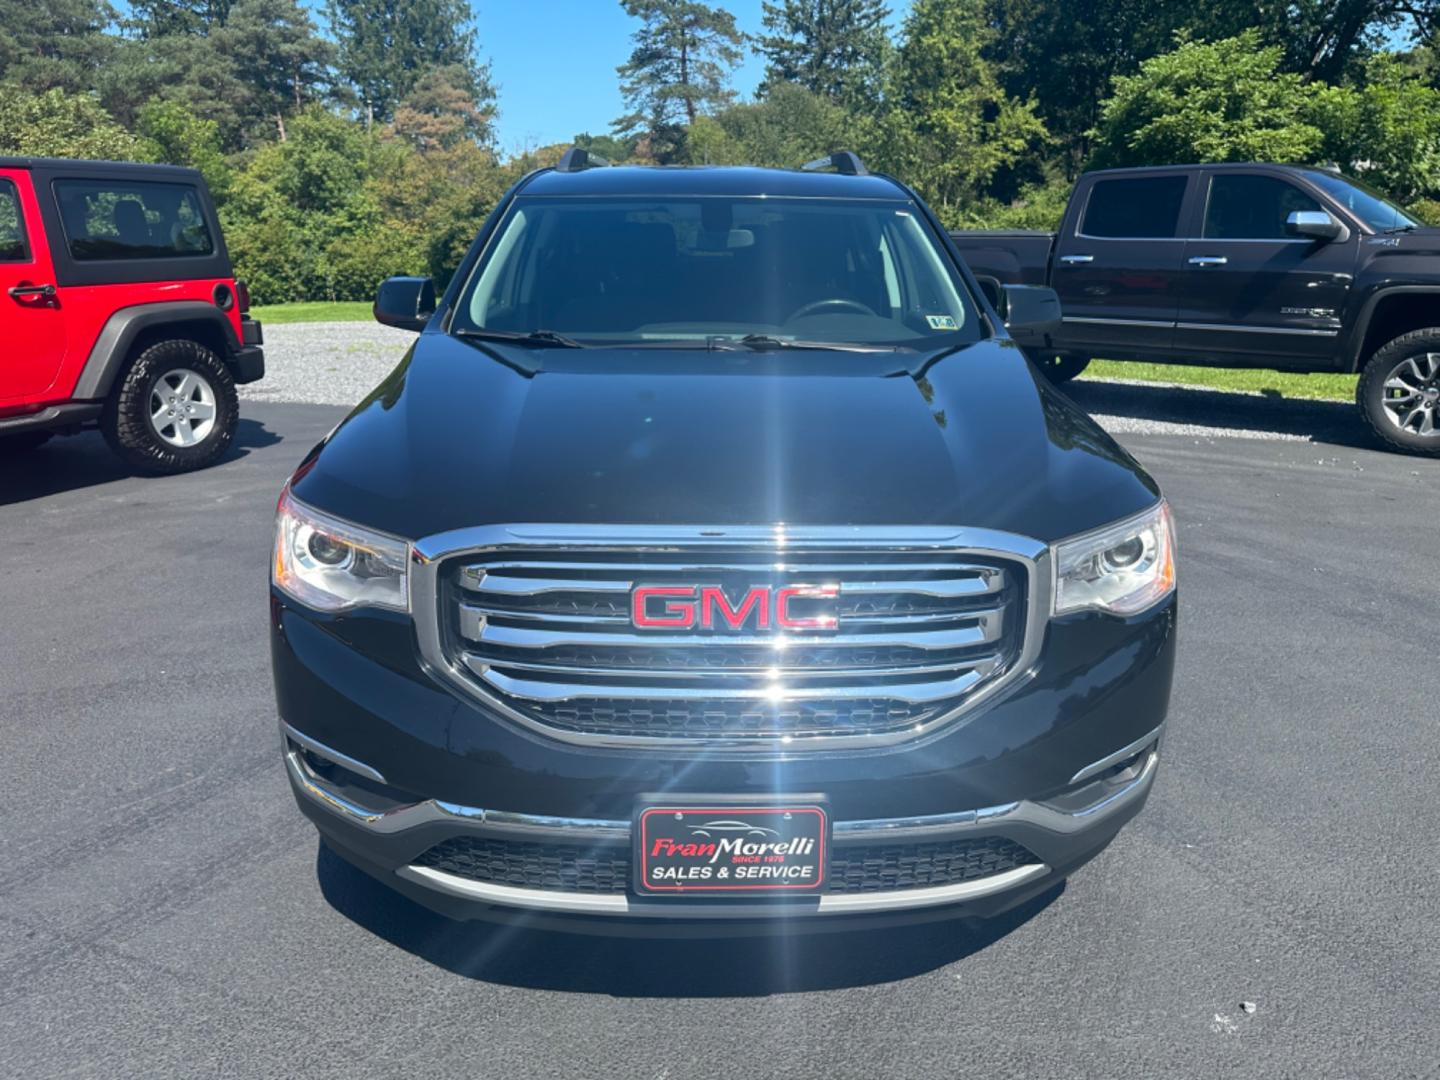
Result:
x=554 y=62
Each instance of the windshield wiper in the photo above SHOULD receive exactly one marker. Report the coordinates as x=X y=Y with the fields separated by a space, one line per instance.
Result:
x=761 y=342
x=532 y=337
x=1410 y=227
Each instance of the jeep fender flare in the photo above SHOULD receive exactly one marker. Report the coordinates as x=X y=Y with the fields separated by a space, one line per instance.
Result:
x=117 y=337
x=1354 y=348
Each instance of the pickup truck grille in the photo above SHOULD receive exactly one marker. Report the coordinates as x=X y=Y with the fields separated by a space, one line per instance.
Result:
x=547 y=634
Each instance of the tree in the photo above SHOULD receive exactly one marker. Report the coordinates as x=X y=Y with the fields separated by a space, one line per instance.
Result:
x=59 y=124
x=158 y=18
x=277 y=56
x=441 y=111
x=836 y=48
x=1386 y=130
x=790 y=126
x=60 y=43
x=1066 y=53
x=1226 y=101
x=677 y=70
x=386 y=46
x=950 y=128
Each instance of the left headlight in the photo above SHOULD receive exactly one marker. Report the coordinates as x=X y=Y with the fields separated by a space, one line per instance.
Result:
x=1122 y=568
x=332 y=565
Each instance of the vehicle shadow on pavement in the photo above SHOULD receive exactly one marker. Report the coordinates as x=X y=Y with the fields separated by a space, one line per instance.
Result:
x=513 y=955
x=70 y=463
x=1334 y=422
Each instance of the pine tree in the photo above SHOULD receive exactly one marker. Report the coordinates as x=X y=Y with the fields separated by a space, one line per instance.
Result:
x=386 y=46
x=277 y=57
x=835 y=48
x=678 y=69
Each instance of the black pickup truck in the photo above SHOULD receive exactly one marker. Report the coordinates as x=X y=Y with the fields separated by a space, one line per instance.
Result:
x=1272 y=266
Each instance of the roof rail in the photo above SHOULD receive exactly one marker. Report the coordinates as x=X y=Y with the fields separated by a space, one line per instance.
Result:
x=845 y=162
x=575 y=159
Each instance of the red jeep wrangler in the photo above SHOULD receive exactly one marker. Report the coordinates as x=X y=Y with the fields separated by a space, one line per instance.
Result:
x=120 y=308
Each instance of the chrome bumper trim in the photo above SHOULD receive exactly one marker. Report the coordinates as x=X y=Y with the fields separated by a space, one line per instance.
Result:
x=622 y=904
x=1097 y=767
x=1075 y=811
x=315 y=746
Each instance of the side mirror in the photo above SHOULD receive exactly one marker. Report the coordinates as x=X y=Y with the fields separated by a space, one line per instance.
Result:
x=1031 y=313
x=993 y=290
x=1317 y=224
x=405 y=302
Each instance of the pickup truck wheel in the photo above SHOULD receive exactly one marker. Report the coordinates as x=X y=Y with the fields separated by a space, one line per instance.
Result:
x=1399 y=392
x=23 y=442
x=174 y=409
x=1059 y=369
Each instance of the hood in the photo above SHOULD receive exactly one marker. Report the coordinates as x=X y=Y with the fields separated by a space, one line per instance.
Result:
x=461 y=435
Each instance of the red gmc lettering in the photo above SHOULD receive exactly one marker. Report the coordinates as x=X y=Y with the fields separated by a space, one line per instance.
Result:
x=712 y=597
x=804 y=592
x=708 y=606
x=679 y=614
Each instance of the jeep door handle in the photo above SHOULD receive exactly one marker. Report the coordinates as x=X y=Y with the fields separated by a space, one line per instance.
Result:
x=1076 y=260
x=26 y=292
x=1209 y=260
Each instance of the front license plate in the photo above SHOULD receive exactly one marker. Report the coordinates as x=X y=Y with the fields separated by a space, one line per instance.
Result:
x=714 y=848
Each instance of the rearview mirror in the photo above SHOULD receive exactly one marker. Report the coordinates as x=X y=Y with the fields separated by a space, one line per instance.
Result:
x=1316 y=224
x=405 y=302
x=1031 y=313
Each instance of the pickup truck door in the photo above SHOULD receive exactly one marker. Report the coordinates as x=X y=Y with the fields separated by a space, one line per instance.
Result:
x=32 y=328
x=1252 y=293
x=1118 y=261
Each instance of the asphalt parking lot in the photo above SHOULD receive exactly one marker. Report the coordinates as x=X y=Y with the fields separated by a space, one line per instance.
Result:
x=165 y=910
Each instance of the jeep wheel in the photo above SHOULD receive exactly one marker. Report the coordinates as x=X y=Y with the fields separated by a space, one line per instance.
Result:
x=23 y=442
x=174 y=409
x=1399 y=392
x=1060 y=369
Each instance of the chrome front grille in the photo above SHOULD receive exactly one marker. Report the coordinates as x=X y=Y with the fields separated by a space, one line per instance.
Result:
x=543 y=630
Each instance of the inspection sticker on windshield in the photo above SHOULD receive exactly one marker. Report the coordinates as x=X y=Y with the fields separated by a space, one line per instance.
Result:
x=941 y=322
x=730 y=848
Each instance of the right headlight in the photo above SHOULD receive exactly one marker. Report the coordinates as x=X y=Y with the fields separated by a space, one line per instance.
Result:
x=333 y=565
x=1122 y=568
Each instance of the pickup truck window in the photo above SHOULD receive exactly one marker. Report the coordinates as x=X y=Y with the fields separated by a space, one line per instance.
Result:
x=1138 y=208
x=626 y=270
x=1377 y=212
x=1249 y=207
x=108 y=219
x=12 y=229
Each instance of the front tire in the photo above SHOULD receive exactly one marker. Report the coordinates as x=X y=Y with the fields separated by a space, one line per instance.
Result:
x=1062 y=368
x=1399 y=392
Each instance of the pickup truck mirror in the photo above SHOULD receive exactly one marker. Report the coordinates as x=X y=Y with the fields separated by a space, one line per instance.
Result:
x=993 y=290
x=405 y=302
x=1031 y=313
x=1314 y=223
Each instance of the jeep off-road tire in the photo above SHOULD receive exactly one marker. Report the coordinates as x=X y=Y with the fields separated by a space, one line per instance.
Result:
x=173 y=410
x=1399 y=392
x=23 y=442
x=1061 y=369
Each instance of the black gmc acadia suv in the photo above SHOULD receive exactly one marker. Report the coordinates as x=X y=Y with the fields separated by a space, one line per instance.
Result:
x=715 y=558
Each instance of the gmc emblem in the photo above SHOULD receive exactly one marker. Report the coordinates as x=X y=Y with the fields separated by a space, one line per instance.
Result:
x=708 y=607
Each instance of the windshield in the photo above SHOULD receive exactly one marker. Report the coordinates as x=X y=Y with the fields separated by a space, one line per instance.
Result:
x=603 y=271
x=1374 y=210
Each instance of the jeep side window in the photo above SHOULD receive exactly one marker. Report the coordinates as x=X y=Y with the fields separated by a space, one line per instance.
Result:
x=13 y=247
x=114 y=219
x=1247 y=207
x=1143 y=208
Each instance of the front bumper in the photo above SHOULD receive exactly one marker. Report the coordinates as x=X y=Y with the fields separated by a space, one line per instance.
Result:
x=389 y=764
x=385 y=838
